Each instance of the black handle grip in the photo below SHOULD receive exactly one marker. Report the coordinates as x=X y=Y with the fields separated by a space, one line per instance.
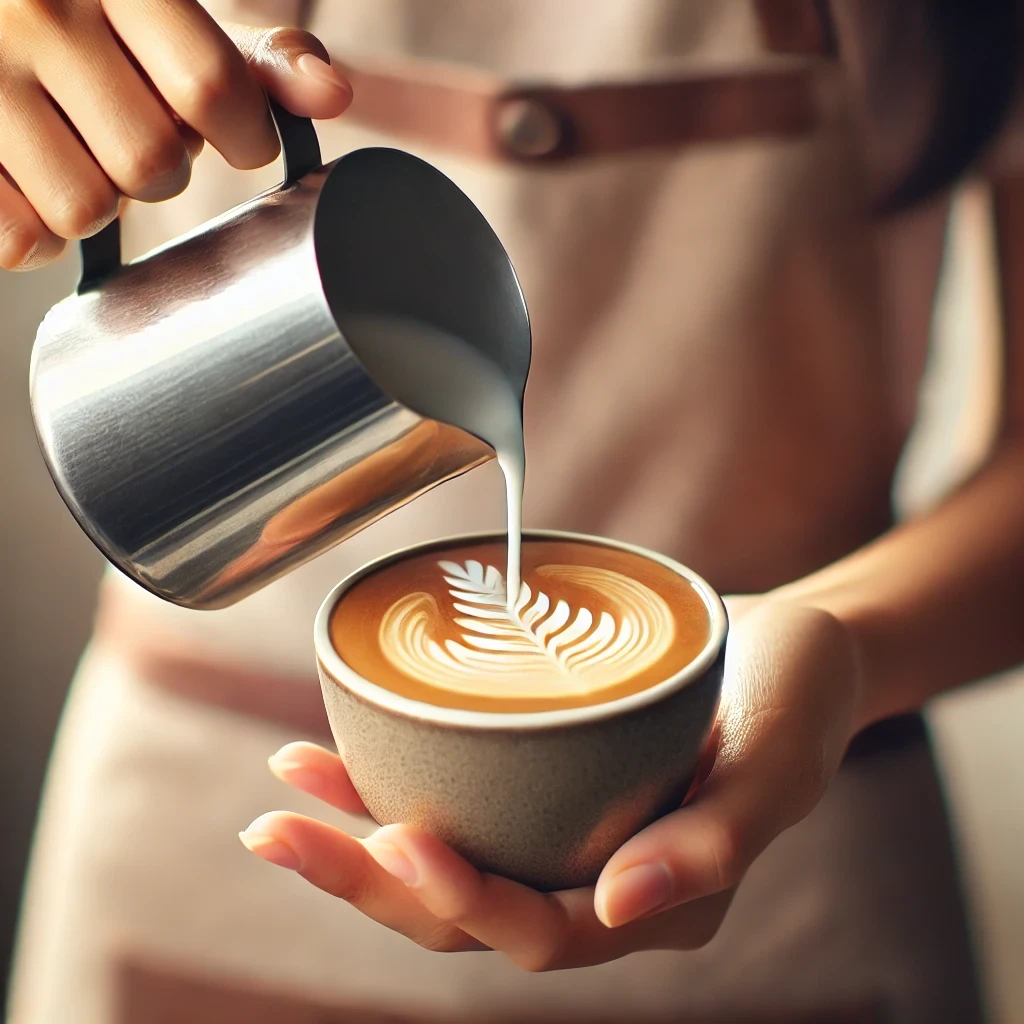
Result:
x=101 y=254
x=299 y=144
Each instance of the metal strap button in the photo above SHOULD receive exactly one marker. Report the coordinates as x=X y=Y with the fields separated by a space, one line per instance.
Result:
x=528 y=128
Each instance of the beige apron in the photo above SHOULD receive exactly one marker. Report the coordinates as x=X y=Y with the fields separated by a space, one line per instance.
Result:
x=726 y=361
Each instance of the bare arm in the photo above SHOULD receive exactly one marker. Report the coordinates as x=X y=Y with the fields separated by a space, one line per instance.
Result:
x=940 y=601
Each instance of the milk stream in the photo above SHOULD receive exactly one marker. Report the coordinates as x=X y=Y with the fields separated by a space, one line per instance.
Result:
x=442 y=377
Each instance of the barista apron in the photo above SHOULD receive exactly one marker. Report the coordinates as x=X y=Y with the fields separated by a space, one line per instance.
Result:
x=726 y=358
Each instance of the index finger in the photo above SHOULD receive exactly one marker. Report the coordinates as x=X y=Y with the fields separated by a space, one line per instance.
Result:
x=201 y=75
x=340 y=865
x=318 y=772
x=25 y=241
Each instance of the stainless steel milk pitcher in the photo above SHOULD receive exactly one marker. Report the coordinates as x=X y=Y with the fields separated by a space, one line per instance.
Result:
x=201 y=410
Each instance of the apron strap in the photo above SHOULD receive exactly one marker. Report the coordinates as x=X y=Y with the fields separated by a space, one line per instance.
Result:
x=470 y=113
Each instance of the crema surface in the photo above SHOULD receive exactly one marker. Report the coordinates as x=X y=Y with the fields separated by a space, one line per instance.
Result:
x=590 y=624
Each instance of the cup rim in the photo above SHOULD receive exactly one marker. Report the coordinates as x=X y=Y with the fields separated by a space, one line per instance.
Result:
x=332 y=663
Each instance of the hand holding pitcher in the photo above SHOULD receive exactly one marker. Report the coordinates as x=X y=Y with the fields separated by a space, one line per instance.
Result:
x=101 y=102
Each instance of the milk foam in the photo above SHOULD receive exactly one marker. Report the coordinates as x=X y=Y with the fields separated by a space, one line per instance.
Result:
x=441 y=376
x=539 y=647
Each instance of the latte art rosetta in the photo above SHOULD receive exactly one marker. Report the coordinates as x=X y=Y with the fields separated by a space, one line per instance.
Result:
x=541 y=647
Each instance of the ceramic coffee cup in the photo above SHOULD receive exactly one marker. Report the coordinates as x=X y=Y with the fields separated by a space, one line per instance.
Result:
x=546 y=797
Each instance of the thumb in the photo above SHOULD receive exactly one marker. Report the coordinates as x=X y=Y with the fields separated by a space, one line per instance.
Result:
x=785 y=720
x=295 y=68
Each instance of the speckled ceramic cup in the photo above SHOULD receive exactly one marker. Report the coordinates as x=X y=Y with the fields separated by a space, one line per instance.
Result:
x=545 y=797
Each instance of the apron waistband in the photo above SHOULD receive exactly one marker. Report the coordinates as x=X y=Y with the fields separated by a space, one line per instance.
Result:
x=489 y=119
x=163 y=660
x=295 y=702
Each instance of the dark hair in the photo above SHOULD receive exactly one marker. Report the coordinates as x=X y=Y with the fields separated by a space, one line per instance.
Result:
x=971 y=49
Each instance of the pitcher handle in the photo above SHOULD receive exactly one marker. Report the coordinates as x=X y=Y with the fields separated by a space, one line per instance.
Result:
x=101 y=254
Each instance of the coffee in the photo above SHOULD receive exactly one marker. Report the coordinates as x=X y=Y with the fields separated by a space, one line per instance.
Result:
x=591 y=624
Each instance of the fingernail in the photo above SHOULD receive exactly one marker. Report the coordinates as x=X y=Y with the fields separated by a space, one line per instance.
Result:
x=283 y=765
x=272 y=850
x=310 y=64
x=394 y=861
x=169 y=184
x=633 y=893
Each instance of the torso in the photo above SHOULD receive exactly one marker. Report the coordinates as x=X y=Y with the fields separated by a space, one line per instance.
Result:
x=726 y=351
x=726 y=363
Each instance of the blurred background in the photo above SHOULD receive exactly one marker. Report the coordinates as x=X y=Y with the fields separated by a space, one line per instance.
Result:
x=50 y=572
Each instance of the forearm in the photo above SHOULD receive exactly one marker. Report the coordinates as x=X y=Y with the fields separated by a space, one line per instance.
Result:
x=939 y=601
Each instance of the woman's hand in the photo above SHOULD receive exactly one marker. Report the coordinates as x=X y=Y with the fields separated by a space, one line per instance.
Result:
x=105 y=100
x=790 y=706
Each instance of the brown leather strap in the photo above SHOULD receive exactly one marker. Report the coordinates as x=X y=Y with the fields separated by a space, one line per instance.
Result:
x=473 y=113
x=483 y=118
x=291 y=704
x=160 y=659
x=296 y=704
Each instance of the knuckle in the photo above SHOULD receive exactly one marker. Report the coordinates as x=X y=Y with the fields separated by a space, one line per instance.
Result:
x=287 y=40
x=83 y=213
x=442 y=939
x=461 y=910
x=205 y=88
x=549 y=953
x=160 y=163
x=462 y=904
x=545 y=956
x=352 y=887
x=726 y=847
x=537 y=961
x=27 y=14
